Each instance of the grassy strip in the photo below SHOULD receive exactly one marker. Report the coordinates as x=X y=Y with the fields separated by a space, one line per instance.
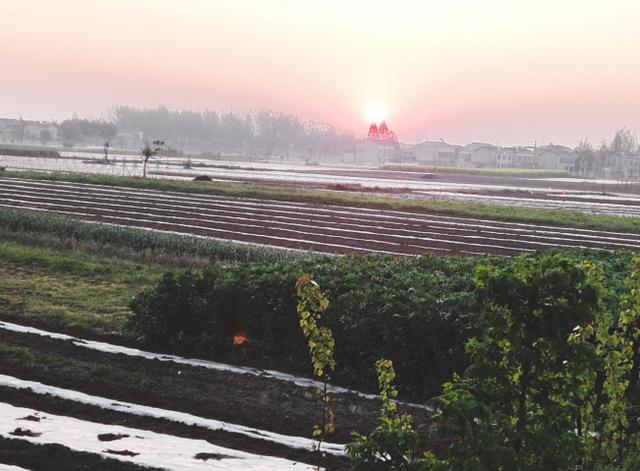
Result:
x=502 y=213
x=496 y=172
x=47 y=230
x=70 y=290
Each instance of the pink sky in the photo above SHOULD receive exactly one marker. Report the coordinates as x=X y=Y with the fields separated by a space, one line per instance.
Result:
x=499 y=71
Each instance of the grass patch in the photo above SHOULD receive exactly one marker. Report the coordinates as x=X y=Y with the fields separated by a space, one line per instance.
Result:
x=453 y=208
x=70 y=290
x=496 y=172
x=60 y=365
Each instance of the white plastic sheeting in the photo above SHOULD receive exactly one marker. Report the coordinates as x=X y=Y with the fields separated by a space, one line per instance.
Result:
x=174 y=416
x=150 y=449
x=8 y=467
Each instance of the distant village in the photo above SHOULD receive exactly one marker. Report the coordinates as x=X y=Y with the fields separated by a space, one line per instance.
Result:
x=619 y=160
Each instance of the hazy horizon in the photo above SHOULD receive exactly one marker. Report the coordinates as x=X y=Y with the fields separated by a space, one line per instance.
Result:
x=490 y=71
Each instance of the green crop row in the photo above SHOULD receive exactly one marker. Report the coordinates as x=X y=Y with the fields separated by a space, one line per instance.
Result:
x=53 y=231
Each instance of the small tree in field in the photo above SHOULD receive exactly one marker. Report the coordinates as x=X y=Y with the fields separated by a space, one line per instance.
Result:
x=106 y=152
x=149 y=151
x=311 y=304
x=393 y=445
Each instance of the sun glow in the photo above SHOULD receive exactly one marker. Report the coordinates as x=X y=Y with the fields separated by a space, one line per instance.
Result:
x=376 y=112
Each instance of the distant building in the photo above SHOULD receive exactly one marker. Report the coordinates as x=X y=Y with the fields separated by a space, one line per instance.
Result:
x=480 y=155
x=380 y=147
x=621 y=166
x=40 y=131
x=22 y=130
x=515 y=157
x=437 y=153
x=556 y=157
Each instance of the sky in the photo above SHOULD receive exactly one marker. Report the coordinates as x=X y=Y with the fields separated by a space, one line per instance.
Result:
x=499 y=71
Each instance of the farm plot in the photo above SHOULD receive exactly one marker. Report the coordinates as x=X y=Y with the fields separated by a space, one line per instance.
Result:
x=255 y=421
x=321 y=228
x=217 y=366
x=614 y=205
x=129 y=444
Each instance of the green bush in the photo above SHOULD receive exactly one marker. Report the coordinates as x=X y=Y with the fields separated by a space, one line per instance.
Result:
x=412 y=311
x=418 y=312
x=547 y=384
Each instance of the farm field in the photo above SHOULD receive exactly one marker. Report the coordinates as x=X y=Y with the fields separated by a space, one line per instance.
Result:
x=320 y=228
x=139 y=401
x=79 y=382
x=503 y=189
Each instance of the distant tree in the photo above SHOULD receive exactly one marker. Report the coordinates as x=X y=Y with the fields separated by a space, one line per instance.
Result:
x=624 y=141
x=22 y=125
x=45 y=136
x=588 y=162
x=149 y=151
x=584 y=147
x=106 y=151
x=265 y=132
x=82 y=130
x=108 y=130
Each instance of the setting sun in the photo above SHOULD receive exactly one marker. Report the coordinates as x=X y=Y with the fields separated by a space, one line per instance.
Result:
x=376 y=112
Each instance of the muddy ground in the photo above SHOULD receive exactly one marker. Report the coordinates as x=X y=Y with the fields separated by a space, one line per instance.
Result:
x=258 y=402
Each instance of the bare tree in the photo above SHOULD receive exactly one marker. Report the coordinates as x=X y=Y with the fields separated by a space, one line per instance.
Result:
x=149 y=151
x=22 y=125
x=106 y=152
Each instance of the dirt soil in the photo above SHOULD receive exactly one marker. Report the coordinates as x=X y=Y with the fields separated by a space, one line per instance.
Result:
x=242 y=399
x=58 y=458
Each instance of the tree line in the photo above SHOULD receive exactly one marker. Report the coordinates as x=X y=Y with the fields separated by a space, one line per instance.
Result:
x=263 y=132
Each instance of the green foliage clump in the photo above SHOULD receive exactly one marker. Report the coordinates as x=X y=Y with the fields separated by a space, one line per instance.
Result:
x=547 y=385
x=393 y=445
x=377 y=304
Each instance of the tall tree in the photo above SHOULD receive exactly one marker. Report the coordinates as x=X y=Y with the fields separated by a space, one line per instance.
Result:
x=149 y=151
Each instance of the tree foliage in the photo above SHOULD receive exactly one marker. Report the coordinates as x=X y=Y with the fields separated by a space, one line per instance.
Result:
x=393 y=445
x=311 y=304
x=521 y=400
x=148 y=151
x=547 y=384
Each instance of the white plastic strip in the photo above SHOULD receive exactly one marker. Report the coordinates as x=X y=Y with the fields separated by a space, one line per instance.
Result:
x=137 y=446
x=174 y=416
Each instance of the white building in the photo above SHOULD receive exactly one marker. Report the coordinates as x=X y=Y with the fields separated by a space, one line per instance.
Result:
x=515 y=157
x=556 y=157
x=378 y=152
x=479 y=155
x=380 y=147
x=437 y=153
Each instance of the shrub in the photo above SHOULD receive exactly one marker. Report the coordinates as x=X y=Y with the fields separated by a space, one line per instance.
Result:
x=417 y=312
x=413 y=311
x=547 y=387
x=393 y=445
